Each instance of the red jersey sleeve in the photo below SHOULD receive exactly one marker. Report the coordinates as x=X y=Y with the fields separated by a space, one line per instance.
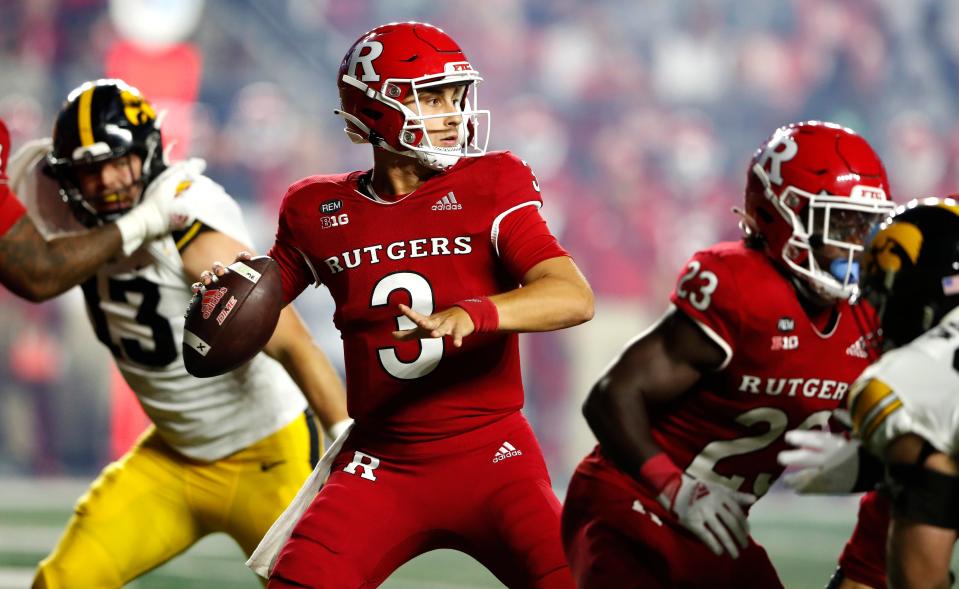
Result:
x=4 y=149
x=707 y=292
x=295 y=272
x=11 y=209
x=519 y=233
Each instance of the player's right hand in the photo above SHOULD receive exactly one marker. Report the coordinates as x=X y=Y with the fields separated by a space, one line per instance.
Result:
x=453 y=322
x=712 y=512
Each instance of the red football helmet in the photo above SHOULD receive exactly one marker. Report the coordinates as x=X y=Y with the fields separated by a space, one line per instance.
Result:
x=393 y=62
x=814 y=191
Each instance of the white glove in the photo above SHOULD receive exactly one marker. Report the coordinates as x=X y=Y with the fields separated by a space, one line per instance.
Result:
x=24 y=160
x=157 y=214
x=712 y=512
x=826 y=462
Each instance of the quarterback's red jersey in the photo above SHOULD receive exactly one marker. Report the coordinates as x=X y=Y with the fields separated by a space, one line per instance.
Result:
x=781 y=372
x=11 y=209
x=474 y=230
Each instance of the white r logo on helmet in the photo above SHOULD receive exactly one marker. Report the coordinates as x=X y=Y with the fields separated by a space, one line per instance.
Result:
x=369 y=74
x=772 y=151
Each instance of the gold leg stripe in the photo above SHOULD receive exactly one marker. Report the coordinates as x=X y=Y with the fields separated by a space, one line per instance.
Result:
x=880 y=418
x=83 y=117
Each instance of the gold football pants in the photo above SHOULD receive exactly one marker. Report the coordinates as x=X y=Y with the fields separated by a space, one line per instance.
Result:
x=154 y=503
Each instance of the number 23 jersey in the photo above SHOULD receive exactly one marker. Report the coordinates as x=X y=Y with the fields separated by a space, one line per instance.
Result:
x=780 y=371
x=474 y=230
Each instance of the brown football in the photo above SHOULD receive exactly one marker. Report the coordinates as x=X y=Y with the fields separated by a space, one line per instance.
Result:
x=231 y=321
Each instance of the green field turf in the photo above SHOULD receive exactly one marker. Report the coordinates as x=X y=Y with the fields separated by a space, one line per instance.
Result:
x=803 y=536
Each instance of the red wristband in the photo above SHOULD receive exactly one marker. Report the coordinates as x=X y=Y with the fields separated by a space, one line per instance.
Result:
x=661 y=473
x=483 y=312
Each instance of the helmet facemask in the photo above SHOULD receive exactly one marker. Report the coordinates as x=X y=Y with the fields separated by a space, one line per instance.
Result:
x=111 y=203
x=413 y=138
x=824 y=223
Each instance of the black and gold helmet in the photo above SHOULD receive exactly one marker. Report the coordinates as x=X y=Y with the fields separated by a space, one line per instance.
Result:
x=100 y=121
x=911 y=269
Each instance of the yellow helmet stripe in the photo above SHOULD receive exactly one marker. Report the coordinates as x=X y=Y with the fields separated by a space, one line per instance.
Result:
x=84 y=120
x=952 y=208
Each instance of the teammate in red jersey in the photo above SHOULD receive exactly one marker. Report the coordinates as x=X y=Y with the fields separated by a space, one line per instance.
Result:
x=36 y=269
x=424 y=255
x=760 y=339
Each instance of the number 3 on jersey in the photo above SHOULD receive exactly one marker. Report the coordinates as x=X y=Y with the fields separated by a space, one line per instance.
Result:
x=698 y=293
x=421 y=301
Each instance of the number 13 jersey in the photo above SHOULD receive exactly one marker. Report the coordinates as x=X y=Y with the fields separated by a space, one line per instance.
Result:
x=136 y=306
x=474 y=230
x=780 y=372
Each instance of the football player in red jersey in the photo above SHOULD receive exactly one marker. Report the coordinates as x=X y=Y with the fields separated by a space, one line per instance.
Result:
x=424 y=256
x=760 y=339
x=37 y=269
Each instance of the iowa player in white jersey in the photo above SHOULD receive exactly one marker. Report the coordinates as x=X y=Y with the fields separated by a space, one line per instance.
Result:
x=905 y=406
x=224 y=454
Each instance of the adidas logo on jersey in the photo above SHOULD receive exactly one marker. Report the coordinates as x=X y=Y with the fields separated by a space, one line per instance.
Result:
x=858 y=349
x=505 y=451
x=447 y=203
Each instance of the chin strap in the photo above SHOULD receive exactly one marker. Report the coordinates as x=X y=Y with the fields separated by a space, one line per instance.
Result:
x=368 y=135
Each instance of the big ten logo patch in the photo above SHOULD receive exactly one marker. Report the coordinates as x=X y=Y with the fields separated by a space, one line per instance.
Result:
x=334 y=221
x=784 y=342
x=330 y=219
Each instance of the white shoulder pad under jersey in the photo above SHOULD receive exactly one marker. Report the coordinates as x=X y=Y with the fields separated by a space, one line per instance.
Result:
x=137 y=304
x=913 y=389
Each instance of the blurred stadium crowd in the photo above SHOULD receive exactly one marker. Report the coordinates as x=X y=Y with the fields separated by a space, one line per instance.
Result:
x=638 y=118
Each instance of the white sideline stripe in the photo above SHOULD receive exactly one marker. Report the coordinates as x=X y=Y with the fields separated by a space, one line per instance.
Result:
x=15 y=577
x=418 y=584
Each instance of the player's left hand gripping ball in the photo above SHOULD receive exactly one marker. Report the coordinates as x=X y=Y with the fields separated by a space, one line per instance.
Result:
x=231 y=319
